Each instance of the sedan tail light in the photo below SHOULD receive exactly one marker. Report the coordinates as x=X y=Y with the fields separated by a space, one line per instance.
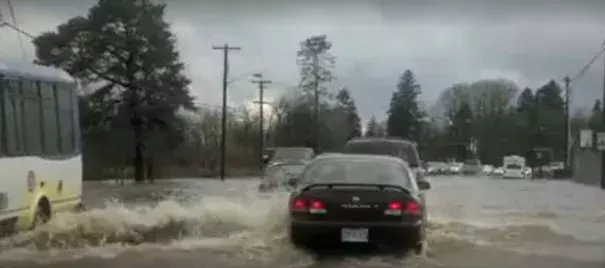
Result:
x=298 y=204
x=398 y=208
x=309 y=205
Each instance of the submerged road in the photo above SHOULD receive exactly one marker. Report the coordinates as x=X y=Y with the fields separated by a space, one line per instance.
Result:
x=474 y=222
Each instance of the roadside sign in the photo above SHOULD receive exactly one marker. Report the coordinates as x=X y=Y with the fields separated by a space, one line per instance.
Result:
x=601 y=141
x=586 y=138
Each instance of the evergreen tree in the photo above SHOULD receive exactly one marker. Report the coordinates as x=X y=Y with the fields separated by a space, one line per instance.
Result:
x=127 y=47
x=347 y=105
x=316 y=63
x=372 y=128
x=527 y=120
x=550 y=118
x=596 y=114
x=461 y=132
x=404 y=115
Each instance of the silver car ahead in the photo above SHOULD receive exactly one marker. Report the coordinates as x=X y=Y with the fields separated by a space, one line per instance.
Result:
x=279 y=174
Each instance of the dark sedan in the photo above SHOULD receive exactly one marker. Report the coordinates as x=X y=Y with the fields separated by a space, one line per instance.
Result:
x=368 y=199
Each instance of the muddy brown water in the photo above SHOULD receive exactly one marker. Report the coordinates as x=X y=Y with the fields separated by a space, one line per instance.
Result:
x=474 y=222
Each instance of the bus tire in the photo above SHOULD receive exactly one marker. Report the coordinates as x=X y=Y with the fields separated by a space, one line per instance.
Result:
x=80 y=207
x=43 y=212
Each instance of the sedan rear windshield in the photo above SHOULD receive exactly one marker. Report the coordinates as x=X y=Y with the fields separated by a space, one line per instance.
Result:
x=357 y=171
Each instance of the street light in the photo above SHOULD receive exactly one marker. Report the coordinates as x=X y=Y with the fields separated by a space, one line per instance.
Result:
x=240 y=78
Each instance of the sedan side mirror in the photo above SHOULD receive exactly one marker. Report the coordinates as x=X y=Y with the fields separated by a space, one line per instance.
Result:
x=424 y=185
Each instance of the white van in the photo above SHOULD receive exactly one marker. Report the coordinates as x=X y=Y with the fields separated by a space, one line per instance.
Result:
x=514 y=167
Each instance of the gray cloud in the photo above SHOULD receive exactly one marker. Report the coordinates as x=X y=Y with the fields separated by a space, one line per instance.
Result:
x=443 y=42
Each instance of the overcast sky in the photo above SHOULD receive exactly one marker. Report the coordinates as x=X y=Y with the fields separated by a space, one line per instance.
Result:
x=443 y=43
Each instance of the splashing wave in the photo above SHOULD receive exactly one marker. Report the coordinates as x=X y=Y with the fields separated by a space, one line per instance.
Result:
x=256 y=227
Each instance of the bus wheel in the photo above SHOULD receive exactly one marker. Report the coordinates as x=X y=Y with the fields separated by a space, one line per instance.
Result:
x=80 y=207
x=43 y=213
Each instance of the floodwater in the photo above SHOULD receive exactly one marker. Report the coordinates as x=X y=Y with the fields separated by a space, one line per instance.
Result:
x=474 y=222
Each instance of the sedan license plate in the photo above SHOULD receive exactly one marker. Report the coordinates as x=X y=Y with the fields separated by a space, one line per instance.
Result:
x=354 y=235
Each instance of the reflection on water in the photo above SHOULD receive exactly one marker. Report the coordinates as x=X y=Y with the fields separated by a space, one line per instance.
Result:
x=473 y=222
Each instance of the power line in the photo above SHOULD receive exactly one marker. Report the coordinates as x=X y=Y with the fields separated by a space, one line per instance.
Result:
x=16 y=27
x=5 y=23
x=589 y=64
x=568 y=87
x=216 y=106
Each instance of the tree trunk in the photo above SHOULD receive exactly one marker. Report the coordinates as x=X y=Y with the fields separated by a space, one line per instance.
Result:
x=136 y=121
x=139 y=165
x=150 y=169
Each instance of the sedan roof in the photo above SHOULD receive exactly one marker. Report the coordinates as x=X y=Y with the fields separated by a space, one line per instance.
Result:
x=339 y=156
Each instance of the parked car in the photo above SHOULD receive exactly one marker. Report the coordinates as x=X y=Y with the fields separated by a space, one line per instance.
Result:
x=437 y=168
x=488 y=169
x=472 y=167
x=454 y=168
x=498 y=172
x=527 y=172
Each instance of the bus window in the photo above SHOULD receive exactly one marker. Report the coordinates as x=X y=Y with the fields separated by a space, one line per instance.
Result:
x=49 y=119
x=46 y=91
x=31 y=118
x=3 y=86
x=19 y=122
x=12 y=118
x=66 y=123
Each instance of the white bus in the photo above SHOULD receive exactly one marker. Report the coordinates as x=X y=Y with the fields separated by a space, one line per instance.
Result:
x=40 y=147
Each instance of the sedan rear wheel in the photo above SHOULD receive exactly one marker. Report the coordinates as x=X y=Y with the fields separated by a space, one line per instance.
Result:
x=297 y=239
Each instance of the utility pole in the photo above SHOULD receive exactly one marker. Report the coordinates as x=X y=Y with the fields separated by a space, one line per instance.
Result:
x=261 y=89
x=316 y=102
x=567 y=151
x=225 y=48
x=602 y=128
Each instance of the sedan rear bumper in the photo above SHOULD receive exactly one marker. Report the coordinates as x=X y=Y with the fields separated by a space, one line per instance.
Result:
x=379 y=233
